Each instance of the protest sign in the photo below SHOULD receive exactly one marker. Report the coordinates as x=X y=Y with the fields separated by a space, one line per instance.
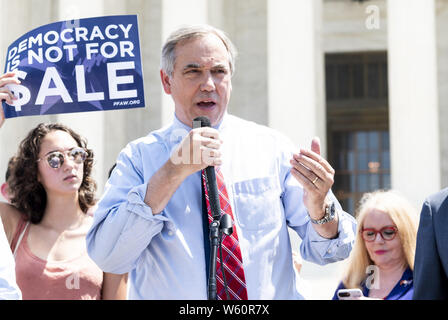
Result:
x=90 y=65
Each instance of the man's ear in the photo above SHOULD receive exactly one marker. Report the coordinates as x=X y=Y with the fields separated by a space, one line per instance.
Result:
x=166 y=82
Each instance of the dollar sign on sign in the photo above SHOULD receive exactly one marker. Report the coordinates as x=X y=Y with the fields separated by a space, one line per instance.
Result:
x=22 y=93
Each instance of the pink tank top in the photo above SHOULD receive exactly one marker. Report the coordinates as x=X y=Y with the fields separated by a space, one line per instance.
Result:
x=74 y=279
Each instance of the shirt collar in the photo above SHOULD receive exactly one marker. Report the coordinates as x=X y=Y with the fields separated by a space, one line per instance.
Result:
x=177 y=124
x=179 y=129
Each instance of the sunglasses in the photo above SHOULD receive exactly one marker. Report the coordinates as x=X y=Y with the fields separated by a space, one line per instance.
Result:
x=387 y=233
x=56 y=159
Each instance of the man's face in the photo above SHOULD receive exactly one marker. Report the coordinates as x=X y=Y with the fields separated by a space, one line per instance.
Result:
x=201 y=81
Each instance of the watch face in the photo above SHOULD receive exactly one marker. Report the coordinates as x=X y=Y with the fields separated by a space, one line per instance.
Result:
x=331 y=209
x=329 y=215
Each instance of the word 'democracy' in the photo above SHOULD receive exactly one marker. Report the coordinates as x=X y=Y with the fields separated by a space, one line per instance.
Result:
x=69 y=37
x=92 y=65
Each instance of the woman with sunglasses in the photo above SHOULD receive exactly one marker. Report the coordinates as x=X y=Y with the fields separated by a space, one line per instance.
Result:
x=51 y=192
x=382 y=260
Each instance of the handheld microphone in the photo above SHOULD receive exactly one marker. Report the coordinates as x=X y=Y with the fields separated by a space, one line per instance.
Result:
x=210 y=177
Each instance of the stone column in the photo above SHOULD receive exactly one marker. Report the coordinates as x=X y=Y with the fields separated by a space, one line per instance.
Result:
x=295 y=70
x=413 y=102
x=174 y=14
x=123 y=126
x=89 y=124
x=246 y=23
x=442 y=69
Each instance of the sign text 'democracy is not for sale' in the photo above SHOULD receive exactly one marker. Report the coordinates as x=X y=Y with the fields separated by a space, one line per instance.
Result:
x=76 y=66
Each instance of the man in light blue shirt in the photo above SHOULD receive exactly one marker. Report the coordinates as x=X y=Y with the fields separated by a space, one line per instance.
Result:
x=149 y=221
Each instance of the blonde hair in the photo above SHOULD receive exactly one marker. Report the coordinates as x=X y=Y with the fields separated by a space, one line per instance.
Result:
x=404 y=216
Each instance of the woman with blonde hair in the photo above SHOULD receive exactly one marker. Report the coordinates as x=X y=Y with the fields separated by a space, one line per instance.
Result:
x=382 y=261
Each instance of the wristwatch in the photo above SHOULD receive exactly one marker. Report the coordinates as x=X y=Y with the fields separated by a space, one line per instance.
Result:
x=330 y=213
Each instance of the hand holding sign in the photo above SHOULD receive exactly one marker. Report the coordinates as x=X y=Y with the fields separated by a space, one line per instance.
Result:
x=6 y=81
x=21 y=93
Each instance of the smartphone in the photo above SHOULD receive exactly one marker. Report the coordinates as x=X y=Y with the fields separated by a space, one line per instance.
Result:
x=349 y=294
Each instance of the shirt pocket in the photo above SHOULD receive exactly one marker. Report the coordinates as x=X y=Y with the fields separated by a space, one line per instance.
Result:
x=257 y=203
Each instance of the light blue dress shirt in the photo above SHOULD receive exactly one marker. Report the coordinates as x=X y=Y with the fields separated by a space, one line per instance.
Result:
x=8 y=286
x=164 y=253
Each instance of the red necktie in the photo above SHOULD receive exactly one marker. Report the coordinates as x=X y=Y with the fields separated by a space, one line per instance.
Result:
x=231 y=253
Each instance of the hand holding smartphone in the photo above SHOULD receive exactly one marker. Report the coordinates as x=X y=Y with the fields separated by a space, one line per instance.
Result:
x=350 y=294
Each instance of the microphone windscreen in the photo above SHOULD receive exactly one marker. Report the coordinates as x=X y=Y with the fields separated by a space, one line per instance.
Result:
x=201 y=121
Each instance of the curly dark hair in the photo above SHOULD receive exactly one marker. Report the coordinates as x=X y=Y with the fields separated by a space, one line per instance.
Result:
x=8 y=169
x=27 y=193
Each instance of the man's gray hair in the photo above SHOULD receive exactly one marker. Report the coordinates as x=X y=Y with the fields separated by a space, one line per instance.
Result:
x=191 y=32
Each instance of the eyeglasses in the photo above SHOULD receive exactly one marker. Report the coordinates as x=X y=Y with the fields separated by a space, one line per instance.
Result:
x=56 y=159
x=387 y=233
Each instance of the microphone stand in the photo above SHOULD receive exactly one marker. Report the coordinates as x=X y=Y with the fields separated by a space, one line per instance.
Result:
x=218 y=226
x=214 y=236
